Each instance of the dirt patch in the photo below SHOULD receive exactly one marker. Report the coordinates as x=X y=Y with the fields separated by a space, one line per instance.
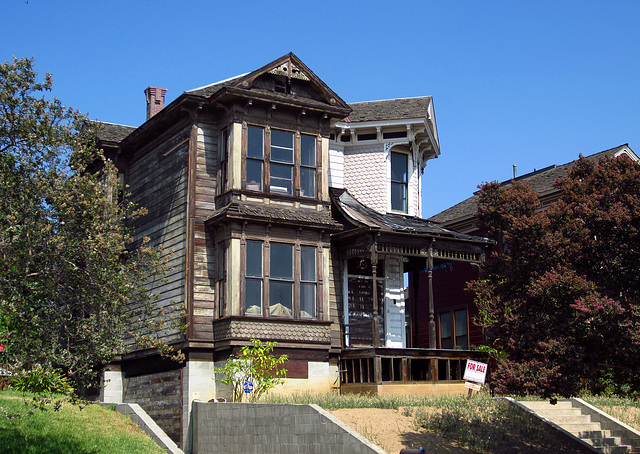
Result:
x=392 y=431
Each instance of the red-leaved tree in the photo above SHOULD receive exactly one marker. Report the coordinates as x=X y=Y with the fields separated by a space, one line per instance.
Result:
x=559 y=299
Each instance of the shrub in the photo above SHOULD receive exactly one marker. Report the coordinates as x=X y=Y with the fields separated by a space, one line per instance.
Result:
x=41 y=380
x=255 y=364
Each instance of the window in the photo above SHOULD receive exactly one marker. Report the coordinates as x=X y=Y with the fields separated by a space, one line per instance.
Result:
x=399 y=179
x=307 y=282
x=307 y=166
x=253 y=279
x=286 y=295
x=281 y=280
x=255 y=153
x=453 y=329
x=278 y=172
x=281 y=162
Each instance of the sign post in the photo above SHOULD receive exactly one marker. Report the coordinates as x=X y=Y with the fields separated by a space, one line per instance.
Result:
x=474 y=375
x=247 y=387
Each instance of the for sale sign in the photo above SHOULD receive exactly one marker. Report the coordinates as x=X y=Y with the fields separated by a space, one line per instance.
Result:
x=475 y=371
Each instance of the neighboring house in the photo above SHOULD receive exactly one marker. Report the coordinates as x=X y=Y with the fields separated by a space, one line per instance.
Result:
x=293 y=217
x=454 y=306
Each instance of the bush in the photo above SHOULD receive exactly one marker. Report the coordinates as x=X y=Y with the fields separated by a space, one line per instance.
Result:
x=41 y=380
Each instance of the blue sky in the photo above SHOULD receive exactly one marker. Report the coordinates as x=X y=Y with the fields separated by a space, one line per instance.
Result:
x=513 y=82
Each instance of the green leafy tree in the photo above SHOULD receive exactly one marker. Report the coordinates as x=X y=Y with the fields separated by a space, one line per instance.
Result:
x=66 y=276
x=560 y=301
x=255 y=364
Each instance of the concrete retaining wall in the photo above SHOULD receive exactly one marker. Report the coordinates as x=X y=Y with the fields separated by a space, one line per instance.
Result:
x=273 y=428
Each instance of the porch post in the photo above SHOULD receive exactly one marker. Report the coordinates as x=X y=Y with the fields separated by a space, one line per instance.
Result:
x=432 y=315
x=374 y=269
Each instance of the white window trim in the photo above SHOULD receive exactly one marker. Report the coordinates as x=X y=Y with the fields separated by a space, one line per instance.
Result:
x=411 y=209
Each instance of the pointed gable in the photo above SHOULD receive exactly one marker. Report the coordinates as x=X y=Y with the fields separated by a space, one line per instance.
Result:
x=288 y=75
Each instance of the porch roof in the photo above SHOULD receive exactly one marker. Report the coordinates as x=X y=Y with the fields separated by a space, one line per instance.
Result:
x=364 y=218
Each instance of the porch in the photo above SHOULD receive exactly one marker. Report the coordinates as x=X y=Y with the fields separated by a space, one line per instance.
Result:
x=394 y=371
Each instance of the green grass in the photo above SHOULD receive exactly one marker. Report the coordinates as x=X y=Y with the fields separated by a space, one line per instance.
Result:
x=90 y=430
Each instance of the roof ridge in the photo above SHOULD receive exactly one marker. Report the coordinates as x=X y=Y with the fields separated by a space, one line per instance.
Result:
x=391 y=99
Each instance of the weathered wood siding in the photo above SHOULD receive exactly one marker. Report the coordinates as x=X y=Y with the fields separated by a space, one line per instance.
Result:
x=449 y=293
x=158 y=182
x=335 y=299
x=203 y=304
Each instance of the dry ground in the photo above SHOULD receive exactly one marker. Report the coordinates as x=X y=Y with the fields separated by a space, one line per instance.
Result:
x=393 y=431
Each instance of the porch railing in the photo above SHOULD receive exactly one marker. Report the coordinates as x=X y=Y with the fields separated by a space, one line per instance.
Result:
x=380 y=365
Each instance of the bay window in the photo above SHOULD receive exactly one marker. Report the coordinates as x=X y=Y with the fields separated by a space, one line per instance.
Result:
x=288 y=168
x=289 y=290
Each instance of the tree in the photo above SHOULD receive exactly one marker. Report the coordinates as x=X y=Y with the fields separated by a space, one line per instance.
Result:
x=66 y=276
x=560 y=302
x=256 y=365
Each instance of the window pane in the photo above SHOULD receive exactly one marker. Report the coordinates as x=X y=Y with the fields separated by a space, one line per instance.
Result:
x=308 y=150
x=281 y=146
x=254 y=258
x=307 y=182
x=253 y=296
x=281 y=178
x=307 y=300
x=308 y=263
x=461 y=322
x=399 y=197
x=280 y=298
x=282 y=139
x=254 y=175
x=281 y=261
x=399 y=163
x=255 y=145
x=446 y=339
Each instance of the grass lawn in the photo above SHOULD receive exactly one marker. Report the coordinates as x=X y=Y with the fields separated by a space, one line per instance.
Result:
x=92 y=429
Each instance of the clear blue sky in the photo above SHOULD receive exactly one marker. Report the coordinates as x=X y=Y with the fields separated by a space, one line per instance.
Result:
x=531 y=83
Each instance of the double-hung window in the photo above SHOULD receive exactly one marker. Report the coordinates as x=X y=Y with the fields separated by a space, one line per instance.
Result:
x=281 y=279
x=255 y=158
x=290 y=287
x=307 y=166
x=289 y=167
x=399 y=180
x=453 y=329
x=253 y=279
x=307 y=282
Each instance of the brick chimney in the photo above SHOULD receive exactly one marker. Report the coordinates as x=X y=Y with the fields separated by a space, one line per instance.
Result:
x=155 y=100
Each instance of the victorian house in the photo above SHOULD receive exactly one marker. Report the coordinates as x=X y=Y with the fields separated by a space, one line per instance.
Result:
x=291 y=216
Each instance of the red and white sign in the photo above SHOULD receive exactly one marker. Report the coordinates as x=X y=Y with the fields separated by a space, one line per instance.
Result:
x=475 y=371
x=474 y=386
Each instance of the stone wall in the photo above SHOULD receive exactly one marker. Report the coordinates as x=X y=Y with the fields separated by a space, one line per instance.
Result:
x=159 y=394
x=273 y=428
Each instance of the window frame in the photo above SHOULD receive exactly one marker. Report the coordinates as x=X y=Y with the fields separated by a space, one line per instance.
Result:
x=296 y=279
x=300 y=184
x=455 y=337
x=393 y=183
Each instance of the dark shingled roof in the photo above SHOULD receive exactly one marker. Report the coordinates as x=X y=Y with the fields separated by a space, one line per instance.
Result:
x=542 y=181
x=267 y=213
x=362 y=215
x=109 y=132
x=390 y=109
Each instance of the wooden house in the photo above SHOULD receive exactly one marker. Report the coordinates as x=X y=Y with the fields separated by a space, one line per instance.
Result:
x=293 y=217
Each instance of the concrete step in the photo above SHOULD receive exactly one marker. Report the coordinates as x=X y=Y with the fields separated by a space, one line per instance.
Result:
x=571 y=419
